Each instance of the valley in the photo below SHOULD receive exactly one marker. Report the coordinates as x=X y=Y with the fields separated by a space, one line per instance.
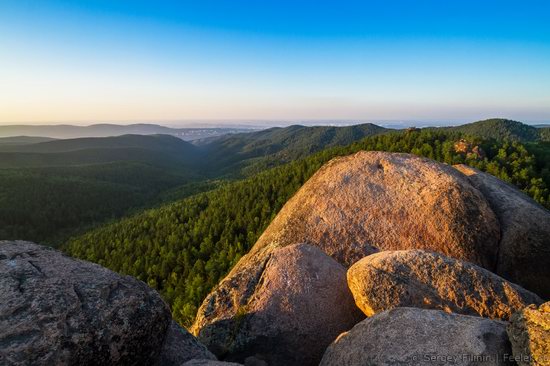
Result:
x=56 y=188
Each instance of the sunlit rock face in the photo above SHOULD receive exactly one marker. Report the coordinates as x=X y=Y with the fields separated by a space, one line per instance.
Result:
x=420 y=279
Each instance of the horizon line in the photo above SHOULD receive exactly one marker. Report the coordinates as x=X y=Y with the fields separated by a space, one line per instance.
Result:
x=175 y=123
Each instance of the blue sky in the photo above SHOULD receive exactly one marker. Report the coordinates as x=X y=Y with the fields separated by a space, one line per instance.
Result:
x=89 y=61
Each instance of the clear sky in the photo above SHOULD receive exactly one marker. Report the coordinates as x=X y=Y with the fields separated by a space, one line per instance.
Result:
x=114 y=60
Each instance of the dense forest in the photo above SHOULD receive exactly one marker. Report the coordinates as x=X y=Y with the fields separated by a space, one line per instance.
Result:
x=52 y=189
x=47 y=204
x=57 y=188
x=183 y=249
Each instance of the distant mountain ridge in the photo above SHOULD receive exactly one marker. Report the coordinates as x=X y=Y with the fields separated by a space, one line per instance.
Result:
x=152 y=141
x=23 y=140
x=498 y=128
x=232 y=154
x=105 y=129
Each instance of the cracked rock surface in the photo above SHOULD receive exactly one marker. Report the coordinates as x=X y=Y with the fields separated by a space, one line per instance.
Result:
x=55 y=310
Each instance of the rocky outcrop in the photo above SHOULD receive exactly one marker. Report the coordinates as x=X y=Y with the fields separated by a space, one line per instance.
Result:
x=407 y=336
x=529 y=332
x=416 y=278
x=181 y=346
x=55 y=310
x=524 y=255
x=354 y=206
x=300 y=304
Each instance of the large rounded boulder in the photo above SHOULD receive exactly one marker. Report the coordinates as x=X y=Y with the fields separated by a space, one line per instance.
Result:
x=421 y=279
x=388 y=201
x=357 y=205
x=55 y=310
x=300 y=304
x=524 y=255
x=407 y=336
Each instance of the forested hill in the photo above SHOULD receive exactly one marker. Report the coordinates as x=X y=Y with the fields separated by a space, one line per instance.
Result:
x=253 y=152
x=150 y=142
x=501 y=129
x=22 y=140
x=52 y=189
x=183 y=249
x=56 y=188
x=256 y=151
x=163 y=150
x=71 y=131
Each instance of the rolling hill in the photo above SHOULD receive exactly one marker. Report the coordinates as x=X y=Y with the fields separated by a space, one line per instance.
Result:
x=153 y=142
x=500 y=129
x=22 y=140
x=155 y=149
x=259 y=150
x=55 y=188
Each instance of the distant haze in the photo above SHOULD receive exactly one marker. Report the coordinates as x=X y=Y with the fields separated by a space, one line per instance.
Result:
x=248 y=124
x=104 y=130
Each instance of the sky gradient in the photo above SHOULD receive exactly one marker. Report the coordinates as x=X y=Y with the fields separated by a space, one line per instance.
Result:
x=126 y=61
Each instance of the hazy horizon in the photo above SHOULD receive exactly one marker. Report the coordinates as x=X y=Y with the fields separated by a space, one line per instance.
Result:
x=259 y=123
x=283 y=61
